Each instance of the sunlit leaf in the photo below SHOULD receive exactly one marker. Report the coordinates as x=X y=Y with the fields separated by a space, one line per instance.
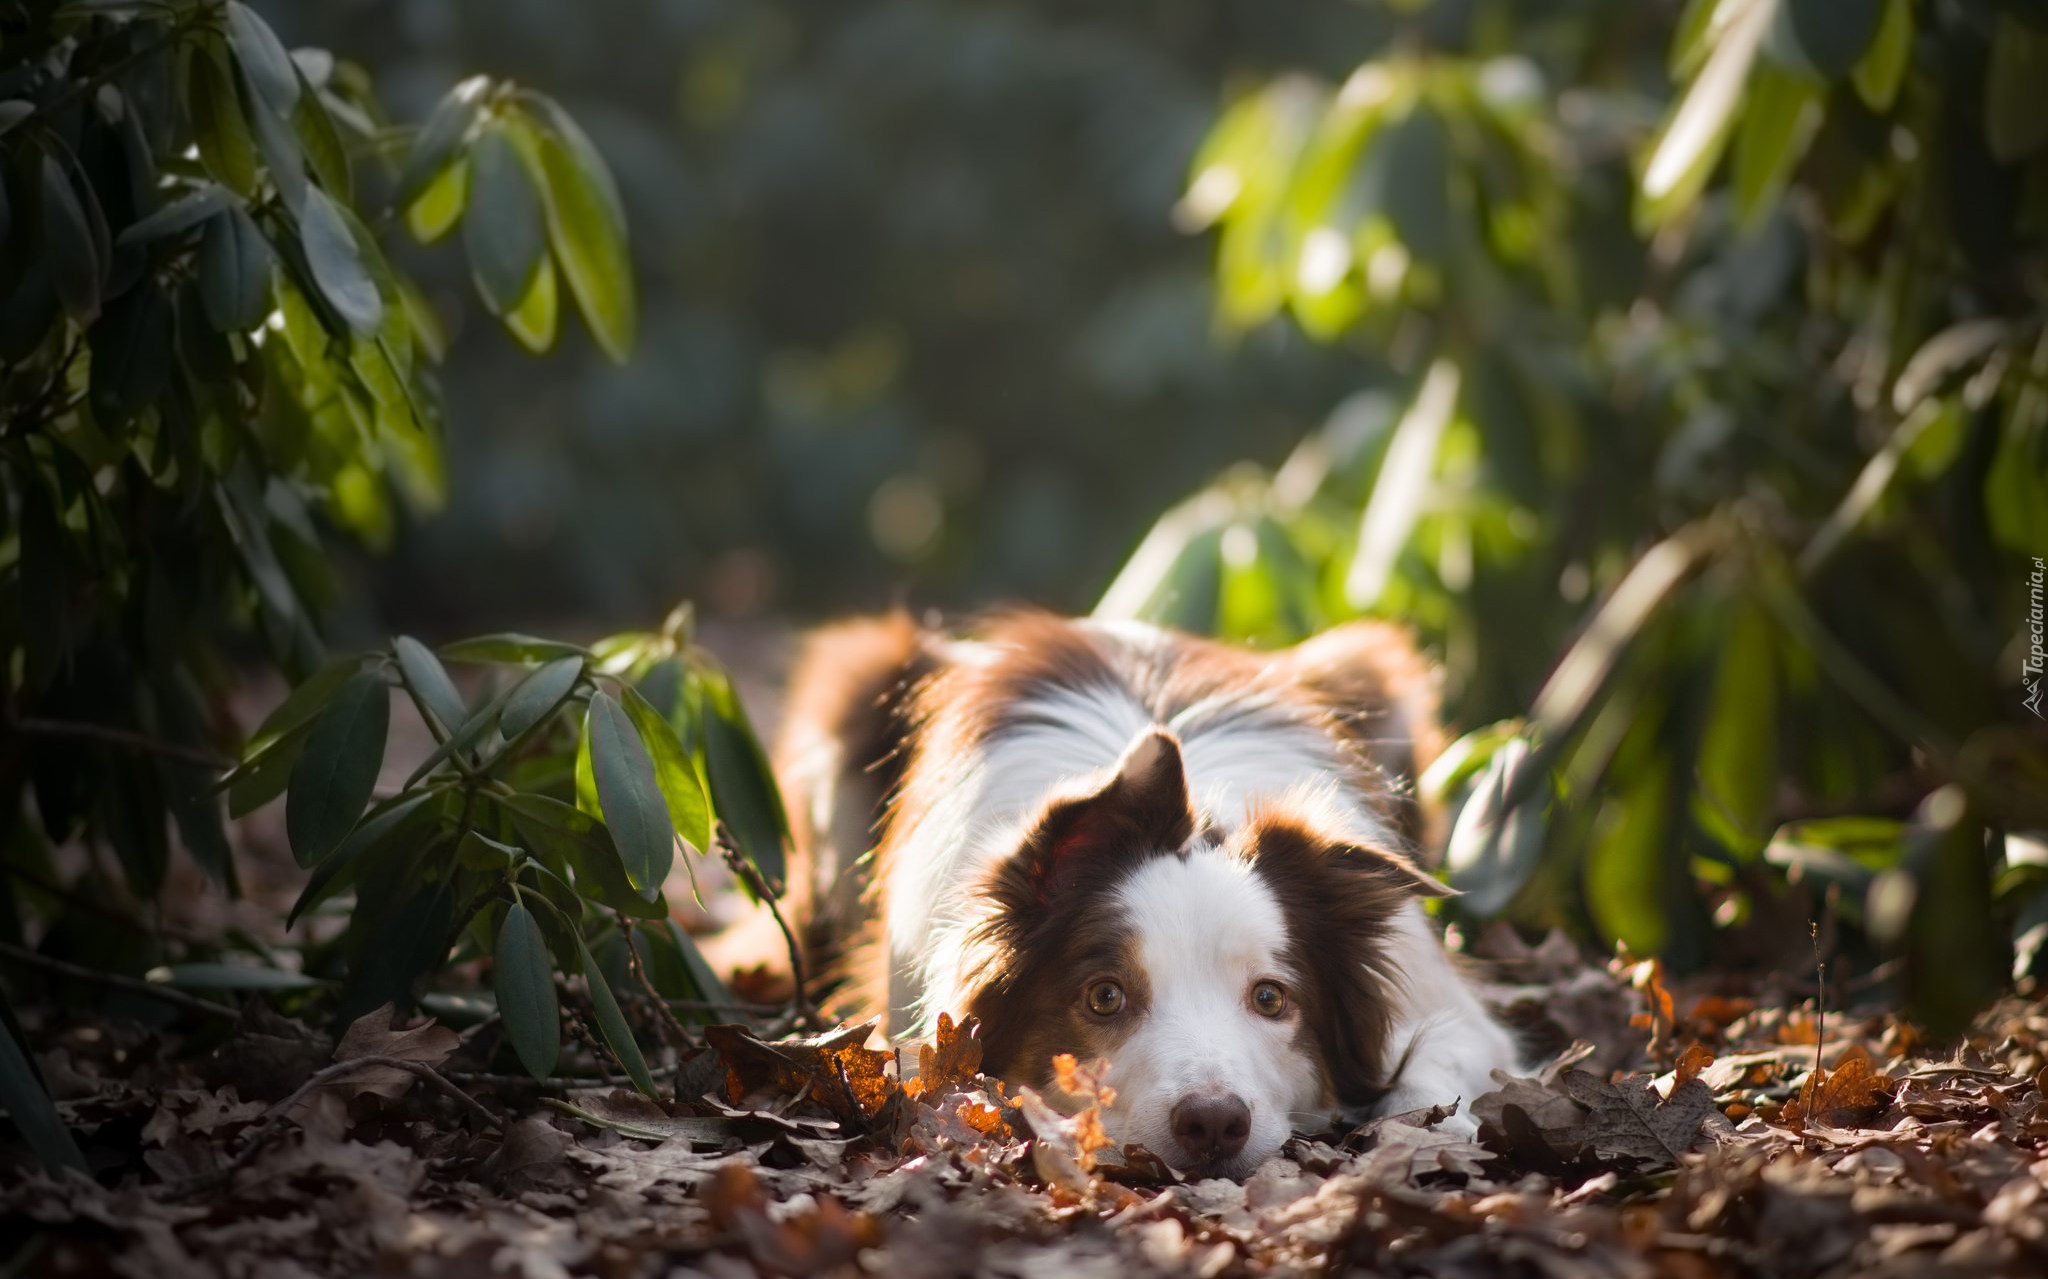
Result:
x=1690 y=143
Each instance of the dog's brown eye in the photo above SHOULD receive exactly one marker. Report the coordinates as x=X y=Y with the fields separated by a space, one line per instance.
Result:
x=1105 y=999
x=1268 y=1000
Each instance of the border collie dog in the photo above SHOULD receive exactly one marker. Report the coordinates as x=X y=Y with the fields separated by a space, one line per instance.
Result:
x=1107 y=839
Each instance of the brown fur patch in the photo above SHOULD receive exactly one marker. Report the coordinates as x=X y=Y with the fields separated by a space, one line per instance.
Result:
x=1338 y=900
x=840 y=757
x=1054 y=931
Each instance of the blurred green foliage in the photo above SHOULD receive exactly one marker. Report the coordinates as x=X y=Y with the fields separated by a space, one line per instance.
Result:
x=1721 y=467
x=914 y=313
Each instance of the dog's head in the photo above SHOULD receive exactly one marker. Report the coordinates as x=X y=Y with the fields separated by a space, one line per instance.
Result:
x=1230 y=983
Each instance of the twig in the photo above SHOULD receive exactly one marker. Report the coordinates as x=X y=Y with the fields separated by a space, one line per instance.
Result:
x=108 y=735
x=667 y=1018
x=1820 y=997
x=134 y=986
x=800 y=1001
x=485 y=1079
x=716 y=1006
x=275 y=1117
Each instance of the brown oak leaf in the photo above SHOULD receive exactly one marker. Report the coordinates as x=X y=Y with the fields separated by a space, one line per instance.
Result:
x=1627 y=1119
x=952 y=1061
x=371 y=1035
x=836 y=1068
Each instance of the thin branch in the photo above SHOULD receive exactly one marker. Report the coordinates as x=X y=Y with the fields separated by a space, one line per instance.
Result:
x=800 y=1001
x=718 y=1006
x=682 y=1037
x=108 y=735
x=134 y=986
x=275 y=1117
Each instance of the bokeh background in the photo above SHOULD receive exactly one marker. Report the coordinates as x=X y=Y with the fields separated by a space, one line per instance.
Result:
x=917 y=324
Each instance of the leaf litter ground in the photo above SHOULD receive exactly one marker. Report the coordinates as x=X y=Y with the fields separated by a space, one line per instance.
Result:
x=1711 y=1128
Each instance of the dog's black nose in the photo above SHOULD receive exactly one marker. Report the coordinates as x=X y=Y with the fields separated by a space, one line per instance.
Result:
x=1210 y=1129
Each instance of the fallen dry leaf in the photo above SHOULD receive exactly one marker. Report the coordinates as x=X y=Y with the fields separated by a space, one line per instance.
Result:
x=371 y=1035
x=952 y=1060
x=837 y=1068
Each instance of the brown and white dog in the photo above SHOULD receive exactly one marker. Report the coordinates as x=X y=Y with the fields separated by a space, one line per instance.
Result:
x=1116 y=841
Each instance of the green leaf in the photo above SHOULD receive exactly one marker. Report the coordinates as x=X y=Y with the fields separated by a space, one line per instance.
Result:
x=338 y=769
x=391 y=820
x=429 y=682
x=234 y=272
x=525 y=984
x=503 y=233
x=300 y=706
x=1955 y=961
x=232 y=977
x=183 y=213
x=337 y=264
x=611 y=1023
x=1825 y=36
x=1778 y=124
x=282 y=158
x=322 y=144
x=1626 y=871
x=1402 y=485
x=2016 y=90
x=533 y=322
x=256 y=782
x=634 y=807
x=439 y=138
x=74 y=258
x=539 y=694
x=1494 y=847
x=440 y=203
x=131 y=354
x=586 y=846
x=689 y=809
x=1582 y=673
x=508 y=647
x=1689 y=145
x=1877 y=78
x=222 y=135
x=263 y=57
x=1414 y=154
x=21 y=1092
x=743 y=789
x=466 y=736
x=585 y=227
x=1738 y=752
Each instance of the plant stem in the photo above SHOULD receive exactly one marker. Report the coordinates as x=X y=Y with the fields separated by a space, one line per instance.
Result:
x=800 y=1000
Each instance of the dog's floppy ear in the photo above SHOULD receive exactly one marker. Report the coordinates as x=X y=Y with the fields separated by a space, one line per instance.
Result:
x=1141 y=809
x=1287 y=842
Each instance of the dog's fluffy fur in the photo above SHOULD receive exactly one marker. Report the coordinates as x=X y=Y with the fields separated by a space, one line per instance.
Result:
x=1064 y=807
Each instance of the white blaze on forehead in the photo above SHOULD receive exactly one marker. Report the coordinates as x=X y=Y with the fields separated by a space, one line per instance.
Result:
x=1206 y=928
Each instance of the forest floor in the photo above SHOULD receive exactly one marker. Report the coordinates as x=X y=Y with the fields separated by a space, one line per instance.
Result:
x=1714 y=1128
x=1718 y=1126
